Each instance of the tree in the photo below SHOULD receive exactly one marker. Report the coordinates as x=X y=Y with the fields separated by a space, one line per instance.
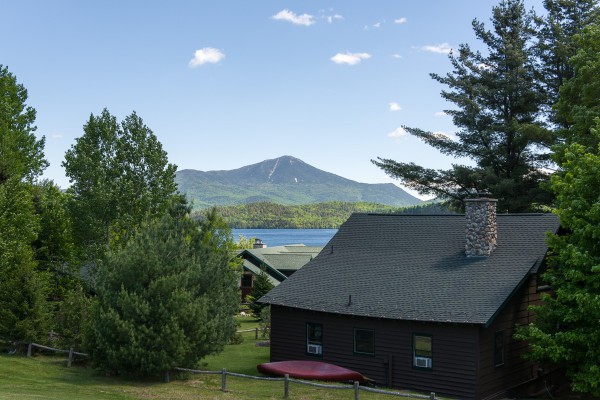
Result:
x=261 y=286
x=565 y=20
x=579 y=103
x=54 y=246
x=120 y=175
x=166 y=299
x=21 y=154
x=24 y=313
x=498 y=100
x=567 y=326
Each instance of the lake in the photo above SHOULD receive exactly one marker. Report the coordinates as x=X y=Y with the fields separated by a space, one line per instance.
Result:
x=280 y=237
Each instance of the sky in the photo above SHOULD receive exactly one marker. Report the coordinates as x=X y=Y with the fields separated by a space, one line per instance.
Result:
x=224 y=84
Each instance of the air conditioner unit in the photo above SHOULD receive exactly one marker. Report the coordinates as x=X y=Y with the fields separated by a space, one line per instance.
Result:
x=423 y=362
x=313 y=349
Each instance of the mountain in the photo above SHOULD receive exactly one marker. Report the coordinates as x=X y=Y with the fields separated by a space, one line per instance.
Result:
x=284 y=180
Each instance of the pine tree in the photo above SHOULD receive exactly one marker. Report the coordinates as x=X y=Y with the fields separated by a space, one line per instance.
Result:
x=165 y=300
x=498 y=99
x=565 y=20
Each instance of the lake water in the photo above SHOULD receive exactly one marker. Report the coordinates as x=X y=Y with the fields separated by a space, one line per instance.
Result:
x=280 y=237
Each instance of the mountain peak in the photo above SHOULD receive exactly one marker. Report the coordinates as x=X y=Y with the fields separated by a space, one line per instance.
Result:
x=283 y=180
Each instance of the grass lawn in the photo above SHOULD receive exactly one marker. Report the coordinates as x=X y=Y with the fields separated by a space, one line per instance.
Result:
x=47 y=377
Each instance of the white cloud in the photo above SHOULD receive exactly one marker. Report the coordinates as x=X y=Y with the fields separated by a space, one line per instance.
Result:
x=290 y=16
x=397 y=133
x=396 y=56
x=350 y=58
x=442 y=48
x=440 y=114
x=56 y=136
x=395 y=106
x=331 y=18
x=401 y=20
x=377 y=25
x=207 y=55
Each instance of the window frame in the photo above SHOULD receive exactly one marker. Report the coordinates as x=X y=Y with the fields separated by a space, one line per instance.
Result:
x=499 y=349
x=363 y=353
x=308 y=340
x=414 y=351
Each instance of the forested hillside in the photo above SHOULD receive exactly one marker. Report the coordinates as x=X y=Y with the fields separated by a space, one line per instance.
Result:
x=310 y=216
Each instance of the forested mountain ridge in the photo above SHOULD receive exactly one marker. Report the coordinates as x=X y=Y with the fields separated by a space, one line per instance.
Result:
x=284 y=180
x=330 y=215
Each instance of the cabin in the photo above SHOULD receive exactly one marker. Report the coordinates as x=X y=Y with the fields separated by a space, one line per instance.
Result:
x=278 y=262
x=421 y=302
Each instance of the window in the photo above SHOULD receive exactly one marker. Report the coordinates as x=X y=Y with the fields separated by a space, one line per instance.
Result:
x=314 y=339
x=364 y=341
x=422 y=351
x=499 y=349
x=247 y=280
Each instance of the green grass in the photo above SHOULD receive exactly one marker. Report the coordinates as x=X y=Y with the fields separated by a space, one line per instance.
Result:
x=47 y=377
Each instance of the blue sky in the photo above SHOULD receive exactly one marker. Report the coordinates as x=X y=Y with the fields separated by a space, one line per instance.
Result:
x=225 y=84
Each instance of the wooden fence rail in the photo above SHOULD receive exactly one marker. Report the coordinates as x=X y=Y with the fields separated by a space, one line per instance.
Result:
x=71 y=352
x=286 y=381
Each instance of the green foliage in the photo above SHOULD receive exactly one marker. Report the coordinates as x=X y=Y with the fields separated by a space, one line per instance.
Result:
x=565 y=20
x=72 y=317
x=21 y=154
x=244 y=243
x=331 y=215
x=120 y=175
x=498 y=102
x=54 y=246
x=24 y=313
x=567 y=327
x=166 y=299
x=579 y=104
x=265 y=322
x=260 y=286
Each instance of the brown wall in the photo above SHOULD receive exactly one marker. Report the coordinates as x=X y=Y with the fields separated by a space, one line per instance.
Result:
x=454 y=349
x=516 y=370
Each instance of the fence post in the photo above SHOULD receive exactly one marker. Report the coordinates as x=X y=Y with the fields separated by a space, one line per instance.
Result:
x=29 y=349
x=256 y=333
x=224 y=380
x=356 y=391
x=432 y=396
x=286 y=385
x=166 y=377
x=70 y=358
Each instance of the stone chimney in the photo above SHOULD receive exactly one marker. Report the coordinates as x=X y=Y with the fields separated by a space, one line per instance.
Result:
x=258 y=244
x=481 y=232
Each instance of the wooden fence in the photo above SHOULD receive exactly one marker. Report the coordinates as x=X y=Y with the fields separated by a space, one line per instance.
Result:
x=286 y=379
x=286 y=384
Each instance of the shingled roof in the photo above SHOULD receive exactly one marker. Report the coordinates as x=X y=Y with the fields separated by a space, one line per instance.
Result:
x=414 y=267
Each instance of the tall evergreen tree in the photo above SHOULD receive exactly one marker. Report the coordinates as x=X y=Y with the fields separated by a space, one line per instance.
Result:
x=21 y=153
x=498 y=100
x=24 y=313
x=120 y=175
x=567 y=327
x=165 y=300
x=564 y=20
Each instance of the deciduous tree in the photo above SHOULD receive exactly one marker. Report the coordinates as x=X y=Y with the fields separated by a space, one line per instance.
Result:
x=120 y=175
x=567 y=327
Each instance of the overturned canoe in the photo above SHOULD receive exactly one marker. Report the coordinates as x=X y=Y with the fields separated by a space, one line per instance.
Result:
x=310 y=370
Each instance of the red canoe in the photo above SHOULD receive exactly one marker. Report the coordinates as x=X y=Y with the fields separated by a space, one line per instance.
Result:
x=310 y=370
